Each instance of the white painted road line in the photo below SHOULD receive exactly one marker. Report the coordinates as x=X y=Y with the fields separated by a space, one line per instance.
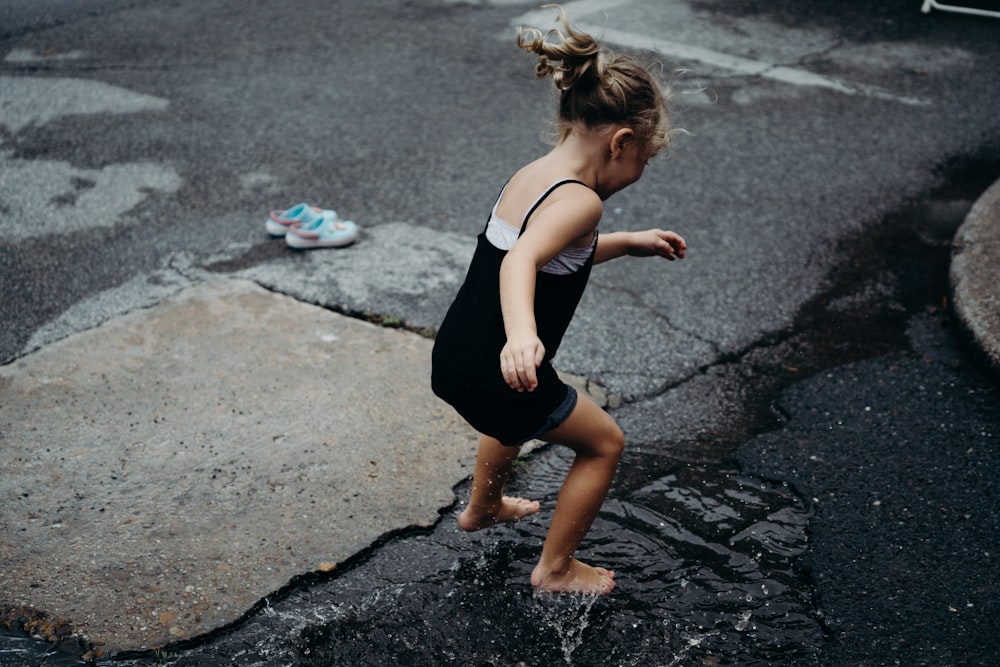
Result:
x=687 y=52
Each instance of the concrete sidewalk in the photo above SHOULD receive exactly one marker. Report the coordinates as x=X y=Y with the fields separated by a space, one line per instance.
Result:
x=166 y=471
x=975 y=276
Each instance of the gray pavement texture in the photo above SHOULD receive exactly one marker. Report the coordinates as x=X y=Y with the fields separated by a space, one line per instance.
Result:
x=903 y=532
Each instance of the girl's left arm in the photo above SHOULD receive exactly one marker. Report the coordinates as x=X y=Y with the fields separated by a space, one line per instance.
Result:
x=668 y=245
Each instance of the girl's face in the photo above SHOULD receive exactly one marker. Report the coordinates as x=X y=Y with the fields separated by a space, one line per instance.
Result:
x=624 y=168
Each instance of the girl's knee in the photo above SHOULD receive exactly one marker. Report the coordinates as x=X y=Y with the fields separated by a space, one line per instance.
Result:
x=590 y=431
x=616 y=442
x=610 y=441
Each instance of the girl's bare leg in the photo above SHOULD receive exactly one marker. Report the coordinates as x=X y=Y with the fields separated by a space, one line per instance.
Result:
x=487 y=504
x=598 y=443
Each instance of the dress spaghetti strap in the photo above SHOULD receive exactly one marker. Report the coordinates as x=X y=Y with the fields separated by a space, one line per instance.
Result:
x=524 y=224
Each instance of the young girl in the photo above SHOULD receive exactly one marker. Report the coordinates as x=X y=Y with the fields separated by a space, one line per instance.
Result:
x=492 y=355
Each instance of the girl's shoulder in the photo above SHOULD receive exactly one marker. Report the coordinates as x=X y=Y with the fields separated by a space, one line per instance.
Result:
x=572 y=198
x=532 y=191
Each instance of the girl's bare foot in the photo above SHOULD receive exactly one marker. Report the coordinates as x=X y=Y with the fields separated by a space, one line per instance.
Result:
x=510 y=509
x=577 y=578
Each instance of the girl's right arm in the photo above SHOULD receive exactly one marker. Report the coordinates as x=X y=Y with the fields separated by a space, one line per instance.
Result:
x=572 y=215
x=523 y=351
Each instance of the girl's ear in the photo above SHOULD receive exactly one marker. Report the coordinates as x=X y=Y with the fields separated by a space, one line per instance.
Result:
x=619 y=140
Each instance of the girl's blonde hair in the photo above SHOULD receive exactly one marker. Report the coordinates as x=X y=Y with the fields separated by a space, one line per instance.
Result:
x=598 y=87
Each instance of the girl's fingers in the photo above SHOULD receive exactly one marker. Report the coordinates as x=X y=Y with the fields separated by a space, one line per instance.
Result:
x=673 y=246
x=519 y=361
x=524 y=374
x=528 y=379
x=518 y=374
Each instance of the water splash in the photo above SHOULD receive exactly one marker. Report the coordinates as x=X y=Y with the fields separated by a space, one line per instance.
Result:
x=567 y=616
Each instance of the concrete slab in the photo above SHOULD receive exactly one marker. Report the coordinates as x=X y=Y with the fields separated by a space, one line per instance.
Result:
x=164 y=472
x=975 y=278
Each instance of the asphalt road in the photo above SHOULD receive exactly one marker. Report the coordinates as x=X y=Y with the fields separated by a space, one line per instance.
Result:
x=143 y=139
x=831 y=151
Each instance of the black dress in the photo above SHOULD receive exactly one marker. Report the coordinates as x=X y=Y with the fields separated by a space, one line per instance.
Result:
x=466 y=356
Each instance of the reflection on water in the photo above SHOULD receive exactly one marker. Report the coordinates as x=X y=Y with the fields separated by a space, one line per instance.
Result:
x=706 y=570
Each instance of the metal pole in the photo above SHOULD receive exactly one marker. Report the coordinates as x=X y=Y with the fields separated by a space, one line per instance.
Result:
x=928 y=4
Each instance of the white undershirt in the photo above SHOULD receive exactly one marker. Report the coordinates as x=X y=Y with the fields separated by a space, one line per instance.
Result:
x=503 y=235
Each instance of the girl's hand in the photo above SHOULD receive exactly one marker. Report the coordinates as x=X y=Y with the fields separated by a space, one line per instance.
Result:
x=519 y=358
x=667 y=245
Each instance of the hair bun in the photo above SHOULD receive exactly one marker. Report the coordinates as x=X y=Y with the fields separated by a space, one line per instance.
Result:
x=598 y=87
x=576 y=52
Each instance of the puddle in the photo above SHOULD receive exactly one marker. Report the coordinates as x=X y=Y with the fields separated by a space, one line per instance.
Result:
x=705 y=560
x=18 y=650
